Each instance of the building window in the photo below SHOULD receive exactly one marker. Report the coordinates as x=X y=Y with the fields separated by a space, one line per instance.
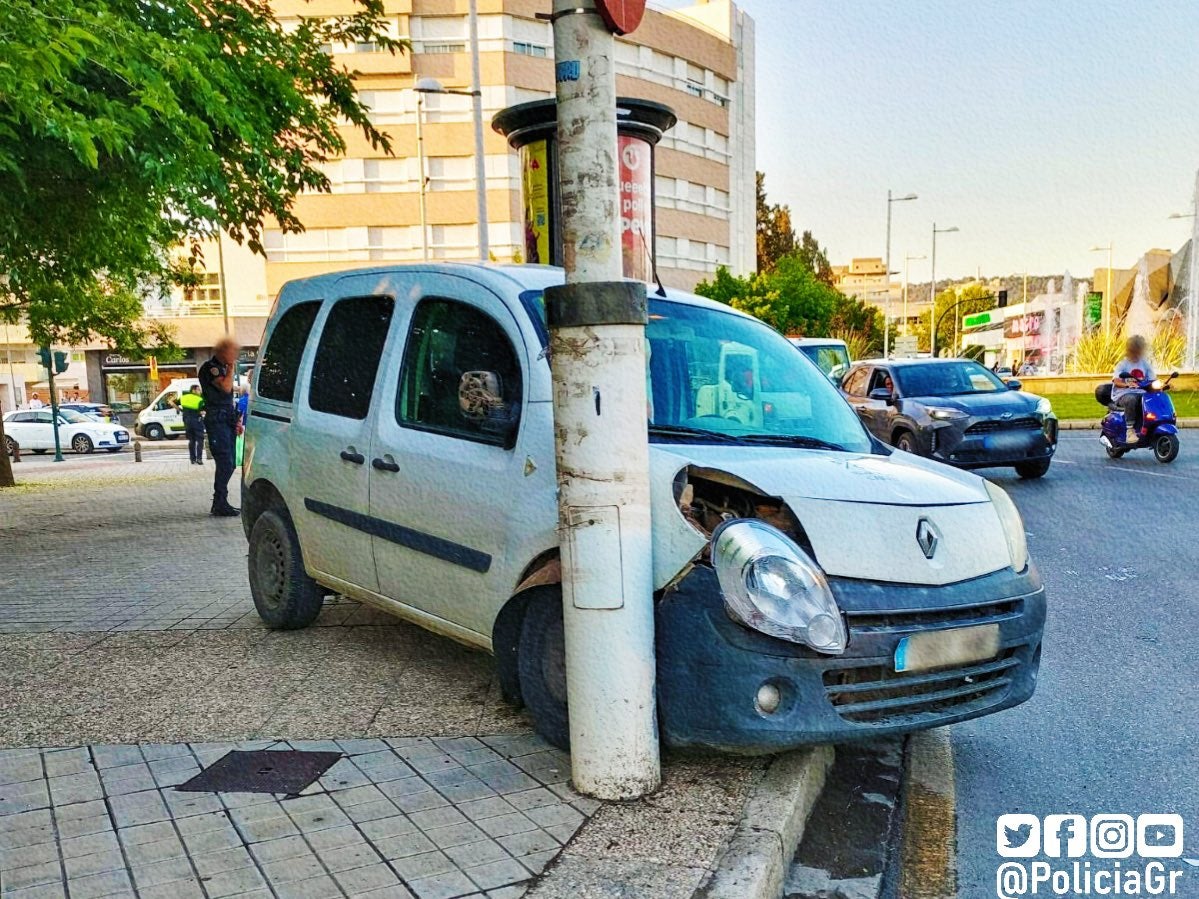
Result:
x=526 y=49
x=431 y=48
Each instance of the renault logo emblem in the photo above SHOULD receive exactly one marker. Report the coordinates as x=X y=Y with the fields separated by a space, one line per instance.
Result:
x=928 y=537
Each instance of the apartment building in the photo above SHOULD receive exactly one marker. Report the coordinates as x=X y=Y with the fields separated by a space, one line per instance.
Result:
x=697 y=60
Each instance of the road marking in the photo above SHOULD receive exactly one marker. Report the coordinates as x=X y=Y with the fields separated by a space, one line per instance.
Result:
x=928 y=857
x=1151 y=474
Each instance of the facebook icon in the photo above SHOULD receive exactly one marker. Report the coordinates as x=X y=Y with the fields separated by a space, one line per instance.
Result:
x=1065 y=836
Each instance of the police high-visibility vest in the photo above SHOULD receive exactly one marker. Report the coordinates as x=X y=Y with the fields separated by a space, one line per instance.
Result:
x=191 y=402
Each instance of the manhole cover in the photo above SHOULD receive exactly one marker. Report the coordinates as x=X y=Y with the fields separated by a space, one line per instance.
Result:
x=265 y=771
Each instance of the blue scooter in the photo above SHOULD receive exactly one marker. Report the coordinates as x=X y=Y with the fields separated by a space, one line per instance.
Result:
x=1159 y=427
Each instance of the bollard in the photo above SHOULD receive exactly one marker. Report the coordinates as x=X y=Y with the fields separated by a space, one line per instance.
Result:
x=16 y=452
x=137 y=451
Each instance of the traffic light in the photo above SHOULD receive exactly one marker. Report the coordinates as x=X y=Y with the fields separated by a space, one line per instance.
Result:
x=61 y=362
x=1002 y=299
x=44 y=355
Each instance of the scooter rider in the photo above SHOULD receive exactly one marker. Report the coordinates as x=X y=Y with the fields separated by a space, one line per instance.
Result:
x=1126 y=384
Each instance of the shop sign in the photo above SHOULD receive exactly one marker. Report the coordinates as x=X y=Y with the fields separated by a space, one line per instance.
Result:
x=980 y=319
x=1027 y=325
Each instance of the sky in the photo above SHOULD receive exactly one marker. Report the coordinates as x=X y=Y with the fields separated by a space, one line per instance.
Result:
x=1040 y=129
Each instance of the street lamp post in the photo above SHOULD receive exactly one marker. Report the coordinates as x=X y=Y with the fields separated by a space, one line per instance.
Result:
x=1107 y=294
x=433 y=86
x=887 y=316
x=906 y=261
x=932 y=296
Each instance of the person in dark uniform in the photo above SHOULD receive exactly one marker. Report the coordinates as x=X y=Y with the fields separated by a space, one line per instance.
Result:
x=221 y=420
x=191 y=405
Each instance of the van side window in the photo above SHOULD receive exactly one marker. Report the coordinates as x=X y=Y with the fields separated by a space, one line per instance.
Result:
x=280 y=365
x=460 y=376
x=347 y=358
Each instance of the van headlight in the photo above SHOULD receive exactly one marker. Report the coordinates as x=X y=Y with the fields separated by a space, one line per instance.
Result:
x=771 y=585
x=1013 y=525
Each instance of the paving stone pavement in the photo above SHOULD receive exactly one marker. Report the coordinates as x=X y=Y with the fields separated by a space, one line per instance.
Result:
x=392 y=819
x=128 y=639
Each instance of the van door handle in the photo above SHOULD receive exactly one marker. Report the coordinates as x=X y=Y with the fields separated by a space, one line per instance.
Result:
x=384 y=465
x=356 y=458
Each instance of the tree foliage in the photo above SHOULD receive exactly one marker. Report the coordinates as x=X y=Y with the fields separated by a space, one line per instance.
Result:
x=970 y=299
x=776 y=235
x=129 y=128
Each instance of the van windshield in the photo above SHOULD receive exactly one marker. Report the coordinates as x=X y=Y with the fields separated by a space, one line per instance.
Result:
x=832 y=359
x=718 y=377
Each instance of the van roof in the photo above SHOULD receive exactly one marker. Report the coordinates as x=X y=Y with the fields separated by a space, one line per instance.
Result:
x=501 y=277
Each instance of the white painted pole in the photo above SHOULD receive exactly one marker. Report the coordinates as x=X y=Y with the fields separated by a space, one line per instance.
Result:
x=597 y=346
x=932 y=299
x=887 y=311
x=476 y=90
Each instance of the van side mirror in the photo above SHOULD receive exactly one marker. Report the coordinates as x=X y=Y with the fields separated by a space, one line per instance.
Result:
x=1013 y=384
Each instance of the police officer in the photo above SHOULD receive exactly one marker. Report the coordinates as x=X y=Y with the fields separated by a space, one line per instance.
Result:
x=191 y=404
x=221 y=420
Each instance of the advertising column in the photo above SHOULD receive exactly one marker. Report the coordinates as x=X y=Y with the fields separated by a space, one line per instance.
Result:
x=636 y=207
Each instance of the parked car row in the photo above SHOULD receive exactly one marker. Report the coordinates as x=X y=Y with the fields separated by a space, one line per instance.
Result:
x=34 y=430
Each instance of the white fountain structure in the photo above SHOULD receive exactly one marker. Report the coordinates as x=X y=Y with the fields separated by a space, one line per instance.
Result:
x=1191 y=360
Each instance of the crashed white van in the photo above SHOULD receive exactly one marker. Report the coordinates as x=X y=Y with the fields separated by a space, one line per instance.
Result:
x=812 y=584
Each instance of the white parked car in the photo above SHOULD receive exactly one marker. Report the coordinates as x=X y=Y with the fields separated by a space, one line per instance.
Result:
x=34 y=430
x=812 y=584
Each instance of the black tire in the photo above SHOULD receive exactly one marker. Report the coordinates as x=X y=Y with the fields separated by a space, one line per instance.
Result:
x=82 y=444
x=284 y=595
x=41 y=452
x=1031 y=470
x=542 y=664
x=906 y=442
x=1114 y=452
x=10 y=445
x=1165 y=448
x=154 y=431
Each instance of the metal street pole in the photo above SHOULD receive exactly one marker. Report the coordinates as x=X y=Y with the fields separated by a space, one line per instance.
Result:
x=887 y=314
x=932 y=312
x=220 y=262
x=476 y=90
x=53 y=402
x=420 y=163
x=597 y=360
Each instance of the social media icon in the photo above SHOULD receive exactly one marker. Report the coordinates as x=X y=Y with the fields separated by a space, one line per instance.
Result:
x=1065 y=836
x=1018 y=836
x=1159 y=836
x=1111 y=836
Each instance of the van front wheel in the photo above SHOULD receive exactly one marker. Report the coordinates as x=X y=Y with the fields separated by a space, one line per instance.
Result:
x=542 y=665
x=284 y=595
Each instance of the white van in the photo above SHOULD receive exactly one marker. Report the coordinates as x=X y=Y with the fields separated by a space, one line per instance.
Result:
x=830 y=355
x=161 y=418
x=400 y=451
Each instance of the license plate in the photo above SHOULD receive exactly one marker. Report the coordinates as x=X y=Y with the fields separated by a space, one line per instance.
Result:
x=122 y=438
x=946 y=649
x=1007 y=441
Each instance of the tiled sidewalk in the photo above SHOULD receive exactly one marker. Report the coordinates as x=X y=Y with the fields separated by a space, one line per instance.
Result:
x=430 y=818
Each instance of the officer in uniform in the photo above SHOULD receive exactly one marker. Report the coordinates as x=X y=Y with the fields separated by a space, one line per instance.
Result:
x=191 y=404
x=221 y=420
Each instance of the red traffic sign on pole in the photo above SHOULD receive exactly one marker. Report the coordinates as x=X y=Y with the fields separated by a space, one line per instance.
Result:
x=621 y=16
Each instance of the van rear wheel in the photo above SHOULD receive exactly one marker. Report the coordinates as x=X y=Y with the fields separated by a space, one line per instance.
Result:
x=154 y=431
x=284 y=595
x=542 y=664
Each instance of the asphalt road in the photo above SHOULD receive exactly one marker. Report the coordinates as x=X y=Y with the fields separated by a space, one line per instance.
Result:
x=1114 y=725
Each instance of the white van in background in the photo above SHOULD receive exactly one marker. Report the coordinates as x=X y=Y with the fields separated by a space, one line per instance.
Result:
x=830 y=355
x=161 y=418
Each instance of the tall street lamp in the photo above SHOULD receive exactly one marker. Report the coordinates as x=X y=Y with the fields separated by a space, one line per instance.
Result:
x=433 y=86
x=906 y=262
x=887 y=316
x=932 y=295
x=1107 y=294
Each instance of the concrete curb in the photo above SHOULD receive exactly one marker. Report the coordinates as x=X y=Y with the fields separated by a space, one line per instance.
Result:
x=754 y=863
x=1084 y=424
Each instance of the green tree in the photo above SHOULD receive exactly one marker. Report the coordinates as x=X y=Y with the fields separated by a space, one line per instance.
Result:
x=815 y=257
x=129 y=129
x=970 y=299
x=859 y=324
x=776 y=236
x=788 y=297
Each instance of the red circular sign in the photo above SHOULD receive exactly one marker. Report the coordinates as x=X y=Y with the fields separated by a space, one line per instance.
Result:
x=621 y=16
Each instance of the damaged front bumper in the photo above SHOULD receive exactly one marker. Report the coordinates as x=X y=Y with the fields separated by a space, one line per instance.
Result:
x=711 y=669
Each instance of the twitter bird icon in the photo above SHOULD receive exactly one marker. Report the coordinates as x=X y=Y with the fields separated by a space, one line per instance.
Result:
x=1018 y=836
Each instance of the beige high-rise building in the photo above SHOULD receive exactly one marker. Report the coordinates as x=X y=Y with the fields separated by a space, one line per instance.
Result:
x=698 y=60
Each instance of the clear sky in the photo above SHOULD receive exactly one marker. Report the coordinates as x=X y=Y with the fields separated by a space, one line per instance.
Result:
x=1038 y=128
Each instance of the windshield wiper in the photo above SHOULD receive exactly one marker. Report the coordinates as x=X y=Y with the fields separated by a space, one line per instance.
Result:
x=792 y=440
x=664 y=430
